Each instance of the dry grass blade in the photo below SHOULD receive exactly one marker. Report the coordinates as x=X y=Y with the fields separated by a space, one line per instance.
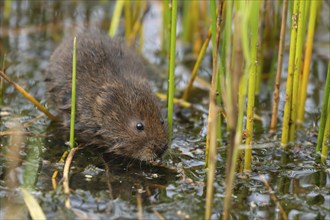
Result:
x=139 y=203
x=211 y=138
x=273 y=197
x=11 y=132
x=66 y=176
x=33 y=206
x=181 y=102
x=54 y=184
x=198 y=63
x=276 y=98
x=28 y=96
x=108 y=177
x=13 y=161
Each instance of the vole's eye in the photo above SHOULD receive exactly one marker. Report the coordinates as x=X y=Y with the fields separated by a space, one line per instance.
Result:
x=140 y=126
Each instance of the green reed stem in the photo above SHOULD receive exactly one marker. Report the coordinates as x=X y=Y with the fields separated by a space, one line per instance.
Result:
x=199 y=60
x=73 y=93
x=187 y=21
x=137 y=10
x=307 y=60
x=254 y=21
x=171 y=88
x=297 y=69
x=7 y=9
x=241 y=55
x=115 y=18
x=166 y=26
x=289 y=82
x=276 y=98
x=326 y=136
x=324 y=115
x=128 y=19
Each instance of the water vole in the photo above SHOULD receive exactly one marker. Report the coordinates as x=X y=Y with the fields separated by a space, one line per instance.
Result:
x=115 y=107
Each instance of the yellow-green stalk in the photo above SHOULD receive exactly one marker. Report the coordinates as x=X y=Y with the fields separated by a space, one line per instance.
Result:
x=7 y=9
x=187 y=21
x=28 y=96
x=279 y=67
x=115 y=18
x=73 y=93
x=305 y=19
x=307 y=60
x=297 y=69
x=128 y=19
x=137 y=28
x=199 y=60
x=138 y=5
x=240 y=83
x=166 y=26
x=171 y=88
x=289 y=82
x=252 y=65
x=326 y=136
x=324 y=114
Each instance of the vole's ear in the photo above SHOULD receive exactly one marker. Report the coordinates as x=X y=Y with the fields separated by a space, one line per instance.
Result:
x=108 y=102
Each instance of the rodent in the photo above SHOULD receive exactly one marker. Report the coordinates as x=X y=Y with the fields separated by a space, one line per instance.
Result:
x=115 y=107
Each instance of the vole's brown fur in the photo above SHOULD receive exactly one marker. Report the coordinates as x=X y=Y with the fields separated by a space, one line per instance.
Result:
x=113 y=97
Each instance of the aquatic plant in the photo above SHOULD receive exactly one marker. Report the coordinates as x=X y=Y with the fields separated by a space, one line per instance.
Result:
x=323 y=138
x=73 y=92
x=115 y=18
x=171 y=69
x=289 y=82
x=252 y=64
x=276 y=94
x=315 y=5
x=211 y=139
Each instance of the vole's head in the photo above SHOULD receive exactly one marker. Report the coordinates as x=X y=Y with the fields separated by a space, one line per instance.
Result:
x=131 y=123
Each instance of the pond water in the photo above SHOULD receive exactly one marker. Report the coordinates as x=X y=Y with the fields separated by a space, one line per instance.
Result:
x=174 y=190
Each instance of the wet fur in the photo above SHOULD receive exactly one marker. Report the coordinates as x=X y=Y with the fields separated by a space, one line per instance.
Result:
x=113 y=94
